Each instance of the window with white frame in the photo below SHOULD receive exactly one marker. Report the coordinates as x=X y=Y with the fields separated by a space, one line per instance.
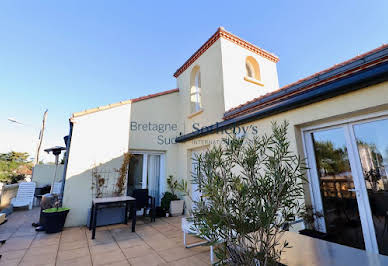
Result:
x=195 y=93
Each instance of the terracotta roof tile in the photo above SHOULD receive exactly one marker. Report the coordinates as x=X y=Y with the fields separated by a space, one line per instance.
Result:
x=154 y=95
x=228 y=114
x=222 y=33
x=109 y=106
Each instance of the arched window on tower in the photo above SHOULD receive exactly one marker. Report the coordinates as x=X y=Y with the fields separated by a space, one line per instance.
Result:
x=195 y=93
x=252 y=71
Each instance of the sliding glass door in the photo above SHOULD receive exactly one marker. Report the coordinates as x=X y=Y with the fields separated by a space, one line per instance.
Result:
x=349 y=182
x=146 y=171
x=337 y=188
x=135 y=173
x=153 y=176
x=372 y=145
x=195 y=188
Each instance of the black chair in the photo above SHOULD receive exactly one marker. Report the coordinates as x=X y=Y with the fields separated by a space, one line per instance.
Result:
x=146 y=202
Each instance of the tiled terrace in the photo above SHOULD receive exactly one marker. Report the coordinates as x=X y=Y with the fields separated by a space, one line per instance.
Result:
x=158 y=243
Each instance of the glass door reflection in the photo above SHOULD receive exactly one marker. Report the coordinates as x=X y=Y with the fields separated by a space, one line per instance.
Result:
x=342 y=218
x=135 y=174
x=372 y=144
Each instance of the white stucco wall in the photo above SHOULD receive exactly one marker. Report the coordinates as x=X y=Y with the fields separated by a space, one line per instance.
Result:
x=222 y=68
x=101 y=138
x=98 y=139
x=43 y=174
x=212 y=97
x=237 y=90
x=162 y=112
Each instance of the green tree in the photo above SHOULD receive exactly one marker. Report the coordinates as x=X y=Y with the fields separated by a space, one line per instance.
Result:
x=13 y=166
x=331 y=160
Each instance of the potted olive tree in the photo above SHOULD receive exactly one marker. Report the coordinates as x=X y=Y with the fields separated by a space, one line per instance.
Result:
x=251 y=189
x=176 y=204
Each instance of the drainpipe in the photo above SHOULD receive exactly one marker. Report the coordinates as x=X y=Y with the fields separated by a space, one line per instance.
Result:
x=68 y=142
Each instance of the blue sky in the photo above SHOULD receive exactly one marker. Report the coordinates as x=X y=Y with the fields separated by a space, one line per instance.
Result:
x=68 y=56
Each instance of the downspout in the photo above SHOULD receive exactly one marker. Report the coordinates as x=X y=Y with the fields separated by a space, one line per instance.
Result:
x=68 y=142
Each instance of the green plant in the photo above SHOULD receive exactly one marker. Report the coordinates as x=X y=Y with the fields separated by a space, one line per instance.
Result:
x=166 y=200
x=251 y=189
x=56 y=205
x=14 y=166
x=174 y=186
x=51 y=210
x=123 y=173
x=98 y=182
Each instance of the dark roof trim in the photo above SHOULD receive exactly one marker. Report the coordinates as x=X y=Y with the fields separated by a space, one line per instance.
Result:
x=359 y=80
x=370 y=57
x=68 y=144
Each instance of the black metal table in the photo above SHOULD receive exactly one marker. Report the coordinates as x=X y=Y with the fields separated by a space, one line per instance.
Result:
x=100 y=203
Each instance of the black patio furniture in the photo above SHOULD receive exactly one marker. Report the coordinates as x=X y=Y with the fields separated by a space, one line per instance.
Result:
x=100 y=203
x=145 y=202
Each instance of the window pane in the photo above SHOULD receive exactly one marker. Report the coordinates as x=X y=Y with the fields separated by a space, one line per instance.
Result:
x=249 y=70
x=153 y=177
x=340 y=207
x=372 y=144
x=135 y=173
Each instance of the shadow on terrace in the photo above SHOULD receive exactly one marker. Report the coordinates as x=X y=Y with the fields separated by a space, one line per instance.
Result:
x=158 y=243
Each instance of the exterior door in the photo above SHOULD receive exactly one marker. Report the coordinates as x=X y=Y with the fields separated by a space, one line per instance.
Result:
x=153 y=176
x=347 y=177
x=371 y=140
x=195 y=188
x=336 y=186
x=146 y=170
x=135 y=173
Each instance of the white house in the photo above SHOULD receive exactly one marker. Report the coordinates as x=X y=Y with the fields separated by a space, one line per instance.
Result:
x=229 y=85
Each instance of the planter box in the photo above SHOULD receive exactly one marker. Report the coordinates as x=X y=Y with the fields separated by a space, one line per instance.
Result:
x=314 y=234
x=107 y=216
x=176 y=207
x=54 y=222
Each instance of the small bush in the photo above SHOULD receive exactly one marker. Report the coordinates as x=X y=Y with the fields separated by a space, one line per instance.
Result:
x=251 y=189
x=166 y=200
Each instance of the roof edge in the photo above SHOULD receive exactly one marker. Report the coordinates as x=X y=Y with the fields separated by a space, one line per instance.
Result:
x=312 y=80
x=121 y=103
x=361 y=79
x=221 y=32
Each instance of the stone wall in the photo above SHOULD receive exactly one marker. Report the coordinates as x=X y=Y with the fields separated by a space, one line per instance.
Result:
x=7 y=192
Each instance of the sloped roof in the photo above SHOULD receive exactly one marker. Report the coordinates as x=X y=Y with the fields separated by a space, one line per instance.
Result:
x=221 y=32
x=330 y=74
x=354 y=74
x=109 y=106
